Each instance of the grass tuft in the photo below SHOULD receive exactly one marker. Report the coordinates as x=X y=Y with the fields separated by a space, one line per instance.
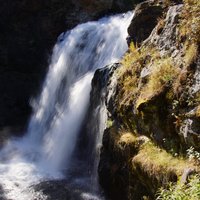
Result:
x=162 y=75
x=158 y=162
x=190 y=191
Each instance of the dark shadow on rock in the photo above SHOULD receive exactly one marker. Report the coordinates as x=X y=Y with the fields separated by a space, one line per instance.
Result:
x=60 y=190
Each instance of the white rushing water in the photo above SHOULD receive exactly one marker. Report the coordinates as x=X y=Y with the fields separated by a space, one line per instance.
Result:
x=45 y=151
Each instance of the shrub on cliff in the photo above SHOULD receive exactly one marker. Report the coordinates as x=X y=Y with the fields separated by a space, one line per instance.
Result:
x=190 y=191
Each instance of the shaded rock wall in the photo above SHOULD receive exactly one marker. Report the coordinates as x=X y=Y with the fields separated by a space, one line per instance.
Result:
x=28 y=31
x=155 y=95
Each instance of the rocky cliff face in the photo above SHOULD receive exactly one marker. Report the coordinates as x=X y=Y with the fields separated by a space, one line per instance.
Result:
x=154 y=106
x=29 y=29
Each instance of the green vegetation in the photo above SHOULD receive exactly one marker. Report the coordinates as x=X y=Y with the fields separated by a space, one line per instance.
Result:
x=190 y=21
x=130 y=81
x=198 y=111
x=109 y=123
x=191 y=52
x=154 y=99
x=159 y=164
x=126 y=139
x=190 y=191
x=147 y=74
x=162 y=75
x=126 y=143
x=193 y=155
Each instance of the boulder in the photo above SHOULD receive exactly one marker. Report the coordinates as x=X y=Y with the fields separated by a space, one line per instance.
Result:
x=144 y=20
x=56 y=190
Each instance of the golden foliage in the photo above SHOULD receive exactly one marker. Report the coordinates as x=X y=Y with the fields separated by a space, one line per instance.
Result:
x=162 y=75
x=190 y=20
x=157 y=162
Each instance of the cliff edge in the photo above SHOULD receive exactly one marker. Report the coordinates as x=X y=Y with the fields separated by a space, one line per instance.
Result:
x=153 y=102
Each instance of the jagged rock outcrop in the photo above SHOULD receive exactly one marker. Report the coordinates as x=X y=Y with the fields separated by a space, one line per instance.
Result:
x=86 y=153
x=156 y=96
x=176 y=57
x=145 y=13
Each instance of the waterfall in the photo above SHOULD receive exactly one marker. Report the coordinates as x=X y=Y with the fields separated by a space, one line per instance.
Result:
x=49 y=148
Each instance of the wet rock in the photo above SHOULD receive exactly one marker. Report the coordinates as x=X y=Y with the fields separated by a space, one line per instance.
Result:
x=2 y=197
x=101 y=84
x=57 y=190
x=61 y=190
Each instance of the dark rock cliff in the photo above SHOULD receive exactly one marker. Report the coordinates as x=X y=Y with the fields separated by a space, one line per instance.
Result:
x=153 y=111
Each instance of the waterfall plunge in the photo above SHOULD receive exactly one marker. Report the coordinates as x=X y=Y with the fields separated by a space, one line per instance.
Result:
x=45 y=151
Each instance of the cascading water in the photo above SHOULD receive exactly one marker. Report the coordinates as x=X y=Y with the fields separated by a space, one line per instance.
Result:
x=46 y=151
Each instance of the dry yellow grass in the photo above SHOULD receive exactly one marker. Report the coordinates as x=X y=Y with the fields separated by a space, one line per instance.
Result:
x=157 y=162
x=127 y=138
x=191 y=53
x=190 y=22
x=198 y=111
x=163 y=74
x=133 y=88
x=129 y=75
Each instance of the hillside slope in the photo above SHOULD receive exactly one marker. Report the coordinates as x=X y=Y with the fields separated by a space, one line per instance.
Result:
x=153 y=101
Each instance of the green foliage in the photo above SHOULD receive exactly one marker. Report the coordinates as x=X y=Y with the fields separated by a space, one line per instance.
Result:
x=193 y=155
x=198 y=111
x=190 y=23
x=190 y=191
x=159 y=161
x=109 y=123
x=163 y=73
